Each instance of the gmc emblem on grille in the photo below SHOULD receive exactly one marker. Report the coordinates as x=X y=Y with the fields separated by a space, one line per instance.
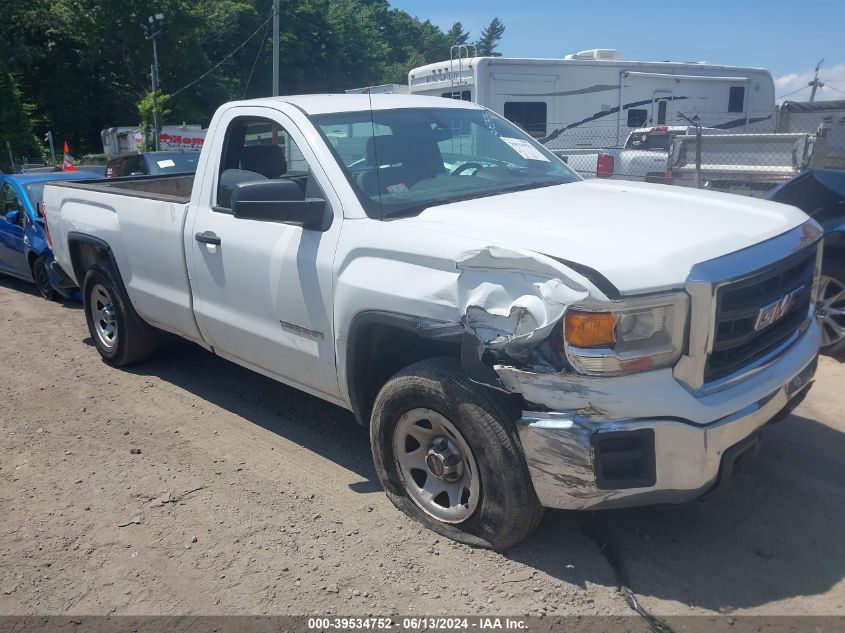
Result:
x=774 y=312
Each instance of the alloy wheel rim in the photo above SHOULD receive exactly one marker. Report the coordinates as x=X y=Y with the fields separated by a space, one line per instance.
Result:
x=830 y=308
x=103 y=316
x=437 y=466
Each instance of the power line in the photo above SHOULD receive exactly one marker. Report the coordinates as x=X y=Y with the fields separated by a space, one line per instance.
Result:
x=255 y=63
x=793 y=92
x=832 y=88
x=218 y=64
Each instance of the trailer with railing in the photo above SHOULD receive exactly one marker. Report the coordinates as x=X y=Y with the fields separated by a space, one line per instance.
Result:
x=751 y=164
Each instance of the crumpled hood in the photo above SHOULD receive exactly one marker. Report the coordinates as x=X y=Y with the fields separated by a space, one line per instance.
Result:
x=641 y=237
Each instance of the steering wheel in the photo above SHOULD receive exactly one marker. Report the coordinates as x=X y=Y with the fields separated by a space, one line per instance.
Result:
x=457 y=171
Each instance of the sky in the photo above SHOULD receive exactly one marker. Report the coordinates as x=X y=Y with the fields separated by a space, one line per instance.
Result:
x=786 y=37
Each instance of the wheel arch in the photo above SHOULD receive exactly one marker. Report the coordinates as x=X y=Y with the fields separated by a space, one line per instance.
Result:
x=834 y=245
x=87 y=250
x=380 y=343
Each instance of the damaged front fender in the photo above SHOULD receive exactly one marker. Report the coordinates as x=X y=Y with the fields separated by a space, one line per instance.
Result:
x=510 y=303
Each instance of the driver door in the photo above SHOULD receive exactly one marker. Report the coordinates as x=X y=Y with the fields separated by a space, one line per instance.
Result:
x=263 y=288
x=12 y=254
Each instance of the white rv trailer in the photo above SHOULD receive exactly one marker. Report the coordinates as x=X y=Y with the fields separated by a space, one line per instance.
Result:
x=594 y=98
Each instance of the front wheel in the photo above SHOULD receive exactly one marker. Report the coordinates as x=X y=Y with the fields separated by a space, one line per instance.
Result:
x=42 y=279
x=448 y=455
x=119 y=334
x=830 y=307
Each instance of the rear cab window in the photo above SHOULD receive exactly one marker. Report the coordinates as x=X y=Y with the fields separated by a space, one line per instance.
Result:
x=650 y=140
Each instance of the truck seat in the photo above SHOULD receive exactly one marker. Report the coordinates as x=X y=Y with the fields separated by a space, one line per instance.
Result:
x=384 y=163
x=267 y=160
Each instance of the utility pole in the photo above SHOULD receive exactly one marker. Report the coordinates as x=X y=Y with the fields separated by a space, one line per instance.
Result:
x=154 y=85
x=275 y=48
x=816 y=83
x=695 y=121
x=152 y=32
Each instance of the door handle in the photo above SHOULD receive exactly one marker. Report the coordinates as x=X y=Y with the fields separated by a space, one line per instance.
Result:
x=208 y=237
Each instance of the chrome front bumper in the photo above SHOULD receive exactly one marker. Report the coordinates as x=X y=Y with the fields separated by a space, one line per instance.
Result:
x=688 y=455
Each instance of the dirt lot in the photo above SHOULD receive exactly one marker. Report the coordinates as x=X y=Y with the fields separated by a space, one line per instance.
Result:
x=249 y=497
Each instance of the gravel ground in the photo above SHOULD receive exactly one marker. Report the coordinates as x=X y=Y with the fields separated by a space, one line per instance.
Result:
x=187 y=485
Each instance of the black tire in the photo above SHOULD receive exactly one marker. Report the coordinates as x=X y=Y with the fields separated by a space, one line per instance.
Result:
x=835 y=269
x=134 y=340
x=41 y=277
x=508 y=509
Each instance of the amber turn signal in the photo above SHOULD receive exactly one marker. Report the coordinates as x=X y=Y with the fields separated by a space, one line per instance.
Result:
x=590 y=329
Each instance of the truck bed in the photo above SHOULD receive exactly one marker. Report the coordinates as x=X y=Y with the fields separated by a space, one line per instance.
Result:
x=171 y=188
x=142 y=219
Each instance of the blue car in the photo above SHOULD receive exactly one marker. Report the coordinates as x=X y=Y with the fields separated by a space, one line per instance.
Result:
x=24 y=252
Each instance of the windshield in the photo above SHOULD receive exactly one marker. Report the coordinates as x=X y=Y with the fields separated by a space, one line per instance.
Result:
x=402 y=161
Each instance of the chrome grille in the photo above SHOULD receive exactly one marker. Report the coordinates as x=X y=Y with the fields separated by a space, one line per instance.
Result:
x=738 y=339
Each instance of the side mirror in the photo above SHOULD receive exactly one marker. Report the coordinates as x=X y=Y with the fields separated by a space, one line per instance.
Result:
x=278 y=201
x=12 y=217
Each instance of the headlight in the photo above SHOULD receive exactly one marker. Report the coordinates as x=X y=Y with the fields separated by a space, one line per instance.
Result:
x=627 y=336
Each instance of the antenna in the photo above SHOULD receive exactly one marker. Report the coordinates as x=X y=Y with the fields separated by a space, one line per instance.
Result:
x=375 y=152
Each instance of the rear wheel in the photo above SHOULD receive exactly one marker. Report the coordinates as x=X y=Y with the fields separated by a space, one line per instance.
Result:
x=830 y=307
x=119 y=334
x=42 y=279
x=447 y=453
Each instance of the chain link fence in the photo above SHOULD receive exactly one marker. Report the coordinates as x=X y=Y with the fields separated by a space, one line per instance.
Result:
x=732 y=161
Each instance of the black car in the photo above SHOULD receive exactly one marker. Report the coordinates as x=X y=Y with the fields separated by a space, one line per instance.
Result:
x=820 y=194
x=152 y=164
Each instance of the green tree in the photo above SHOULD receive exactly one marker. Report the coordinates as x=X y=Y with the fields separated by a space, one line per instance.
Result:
x=457 y=34
x=15 y=123
x=145 y=109
x=84 y=65
x=491 y=35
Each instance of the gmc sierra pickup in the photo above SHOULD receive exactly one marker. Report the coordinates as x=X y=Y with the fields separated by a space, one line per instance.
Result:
x=514 y=337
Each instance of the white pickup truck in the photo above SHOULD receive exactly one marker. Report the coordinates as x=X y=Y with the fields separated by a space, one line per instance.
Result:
x=514 y=337
x=645 y=154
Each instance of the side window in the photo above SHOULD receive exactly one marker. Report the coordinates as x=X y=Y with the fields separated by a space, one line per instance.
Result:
x=637 y=117
x=460 y=95
x=531 y=116
x=736 y=99
x=260 y=149
x=10 y=202
x=123 y=167
x=120 y=167
x=113 y=169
